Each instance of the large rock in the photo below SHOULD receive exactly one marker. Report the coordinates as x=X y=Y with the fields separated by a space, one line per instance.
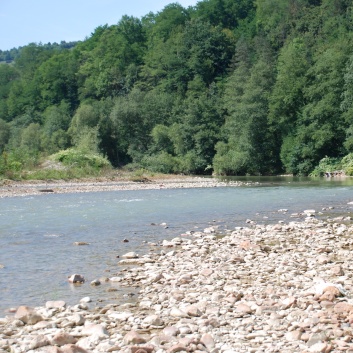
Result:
x=75 y=278
x=27 y=315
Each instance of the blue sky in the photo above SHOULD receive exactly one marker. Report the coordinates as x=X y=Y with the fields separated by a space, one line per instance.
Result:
x=25 y=21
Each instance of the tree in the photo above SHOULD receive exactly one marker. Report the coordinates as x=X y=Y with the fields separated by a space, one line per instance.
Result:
x=31 y=138
x=224 y=13
x=117 y=52
x=8 y=75
x=248 y=144
x=31 y=57
x=4 y=135
x=57 y=80
x=320 y=129
x=162 y=25
x=86 y=117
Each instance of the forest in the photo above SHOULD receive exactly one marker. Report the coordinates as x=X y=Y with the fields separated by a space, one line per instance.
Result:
x=245 y=87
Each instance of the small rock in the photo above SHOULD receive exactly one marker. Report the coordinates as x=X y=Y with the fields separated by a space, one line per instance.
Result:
x=39 y=341
x=130 y=255
x=208 y=341
x=57 y=304
x=86 y=300
x=171 y=331
x=343 y=308
x=288 y=302
x=293 y=335
x=62 y=338
x=78 y=319
x=243 y=308
x=153 y=320
x=177 y=348
x=320 y=347
x=142 y=349
x=70 y=348
x=96 y=282
x=94 y=329
x=175 y=312
x=75 y=278
x=317 y=338
x=133 y=337
x=193 y=310
x=323 y=259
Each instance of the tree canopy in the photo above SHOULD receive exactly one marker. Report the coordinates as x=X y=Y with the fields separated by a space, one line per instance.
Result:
x=229 y=87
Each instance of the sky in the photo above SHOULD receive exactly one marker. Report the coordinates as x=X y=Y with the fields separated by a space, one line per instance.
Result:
x=24 y=21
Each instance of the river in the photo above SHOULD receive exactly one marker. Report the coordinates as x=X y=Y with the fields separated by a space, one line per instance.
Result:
x=37 y=233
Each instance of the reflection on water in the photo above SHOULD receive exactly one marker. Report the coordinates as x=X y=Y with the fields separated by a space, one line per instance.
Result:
x=299 y=181
x=37 y=233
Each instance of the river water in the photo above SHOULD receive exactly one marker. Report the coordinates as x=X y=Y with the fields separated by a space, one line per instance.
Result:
x=37 y=233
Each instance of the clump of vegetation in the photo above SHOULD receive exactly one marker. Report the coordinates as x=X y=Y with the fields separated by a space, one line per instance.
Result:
x=327 y=164
x=75 y=158
x=330 y=164
x=347 y=164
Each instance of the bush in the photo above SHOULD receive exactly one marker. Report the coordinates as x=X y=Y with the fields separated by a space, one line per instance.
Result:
x=327 y=164
x=347 y=164
x=191 y=163
x=76 y=158
x=161 y=163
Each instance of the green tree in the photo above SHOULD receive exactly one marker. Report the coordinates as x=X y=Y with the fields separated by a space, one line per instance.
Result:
x=57 y=80
x=86 y=117
x=8 y=75
x=248 y=144
x=107 y=69
x=224 y=13
x=320 y=128
x=31 y=138
x=4 y=135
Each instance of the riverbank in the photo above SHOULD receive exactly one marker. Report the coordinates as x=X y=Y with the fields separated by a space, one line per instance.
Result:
x=9 y=188
x=264 y=288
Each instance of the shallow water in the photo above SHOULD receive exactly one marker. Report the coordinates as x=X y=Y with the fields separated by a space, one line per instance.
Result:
x=37 y=233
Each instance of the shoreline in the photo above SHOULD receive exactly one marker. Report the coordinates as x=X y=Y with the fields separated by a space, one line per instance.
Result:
x=284 y=287
x=23 y=188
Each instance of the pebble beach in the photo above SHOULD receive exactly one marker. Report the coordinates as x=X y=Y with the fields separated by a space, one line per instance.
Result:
x=9 y=188
x=284 y=287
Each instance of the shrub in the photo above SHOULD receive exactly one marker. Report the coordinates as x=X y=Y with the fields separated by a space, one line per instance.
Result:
x=327 y=164
x=161 y=163
x=347 y=164
x=73 y=157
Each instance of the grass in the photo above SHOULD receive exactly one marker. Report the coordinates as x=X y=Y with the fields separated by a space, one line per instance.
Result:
x=84 y=174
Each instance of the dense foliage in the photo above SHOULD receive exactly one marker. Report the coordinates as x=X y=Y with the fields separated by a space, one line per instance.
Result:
x=230 y=87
